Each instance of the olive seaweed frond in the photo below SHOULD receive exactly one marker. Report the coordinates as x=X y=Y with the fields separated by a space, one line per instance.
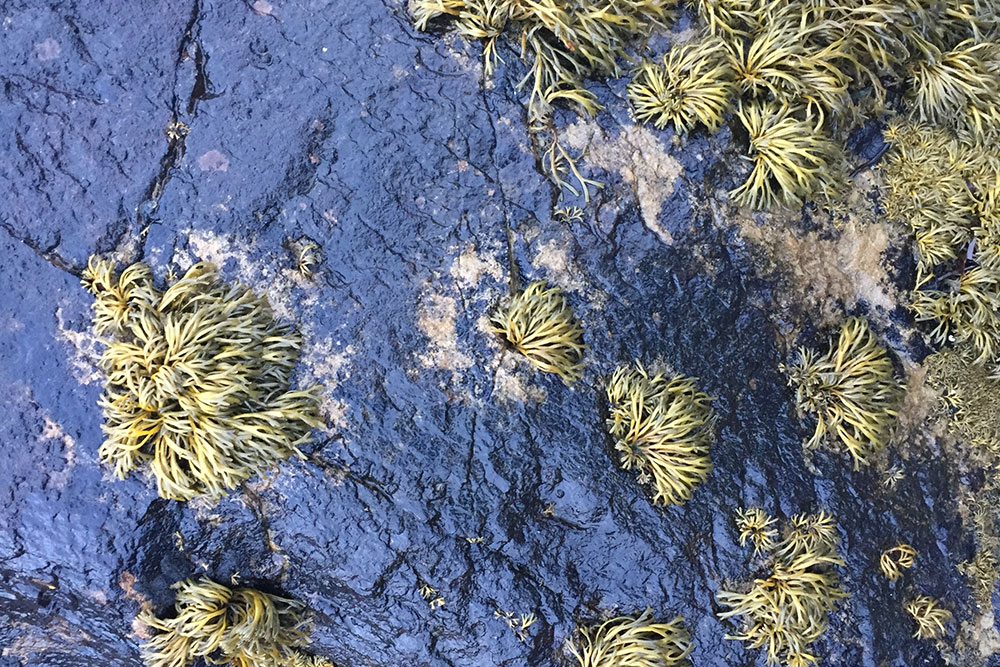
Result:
x=931 y=619
x=633 y=640
x=540 y=324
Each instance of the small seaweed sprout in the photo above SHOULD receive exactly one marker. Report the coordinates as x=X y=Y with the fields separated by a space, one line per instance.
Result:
x=629 y=640
x=693 y=85
x=755 y=526
x=662 y=428
x=791 y=155
x=558 y=162
x=228 y=626
x=306 y=258
x=893 y=476
x=518 y=623
x=540 y=324
x=931 y=619
x=789 y=610
x=850 y=391
x=568 y=214
x=430 y=594
x=897 y=559
x=197 y=380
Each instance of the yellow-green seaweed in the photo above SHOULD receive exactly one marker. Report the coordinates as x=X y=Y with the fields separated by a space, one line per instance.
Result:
x=789 y=610
x=850 y=391
x=693 y=85
x=757 y=527
x=893 y=561
x=242 y=627
x=663 y=427
x=197 y=380
x=539 y=323
x=633 y=641
x=930 y=617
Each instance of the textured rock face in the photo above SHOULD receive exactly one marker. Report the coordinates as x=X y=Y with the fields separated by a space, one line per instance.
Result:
x=227 y=132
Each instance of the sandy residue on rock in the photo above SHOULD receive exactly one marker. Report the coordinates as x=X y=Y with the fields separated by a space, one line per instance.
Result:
x=437 y=318
x=469 y=268
x=53 y=431
x=84 y=353
x=327 y=362
x=639 y=157
x=513 y=381
x=824 y=276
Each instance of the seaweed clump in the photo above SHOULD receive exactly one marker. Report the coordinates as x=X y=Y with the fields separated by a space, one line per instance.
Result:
x=893 y=561
x=663 y=428
x=540 y=324
x=243 y=627
x=756 y=526
x=629 y=640
x=931 y=619
x=197 y=380
x=789 y=609
x=692 y=86
x=850 y=391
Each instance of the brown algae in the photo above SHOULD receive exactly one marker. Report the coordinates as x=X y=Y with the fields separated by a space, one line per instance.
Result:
x=757 y=527
x=789 y=609
x=662 y=427
x=197 y=380
x=539 y=323
x=633 y=640
x=930 y=617
x=850 y=391
x=242 y=627
x=893 y=561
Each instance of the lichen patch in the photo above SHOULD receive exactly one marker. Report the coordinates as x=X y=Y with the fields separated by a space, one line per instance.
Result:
x=437 y=317
x=469 y=268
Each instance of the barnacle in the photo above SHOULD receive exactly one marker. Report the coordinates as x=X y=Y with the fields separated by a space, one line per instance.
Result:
x=638 y=641
x=663 y=428
x=540 y=324
x=756 y=526
x=930 y=618
x=791 y=156
x=242 y=627
x=850 y=391
x=197 y=380
x=693 y=85
x=788 y=611
x=897 y=559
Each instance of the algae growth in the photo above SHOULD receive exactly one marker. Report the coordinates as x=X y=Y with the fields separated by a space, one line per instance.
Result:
x=242 y=627
x=789 y=610
x=663 y=429
x=197 y=382
x=633 y=640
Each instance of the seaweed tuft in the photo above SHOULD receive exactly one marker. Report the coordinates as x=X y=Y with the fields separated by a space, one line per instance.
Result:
x=893 y=561
x=931 y=619
x=539 y=323
x=243 y=627
x=197 y=380
x=663 y=428
x=850 y=391
x=629 y=640
x=756 y=526
x=789 y=610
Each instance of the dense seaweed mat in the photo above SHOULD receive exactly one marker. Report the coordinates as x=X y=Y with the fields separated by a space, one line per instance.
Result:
x=229 y=133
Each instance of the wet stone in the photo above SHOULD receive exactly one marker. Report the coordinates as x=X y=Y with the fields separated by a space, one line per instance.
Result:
x=446 y=461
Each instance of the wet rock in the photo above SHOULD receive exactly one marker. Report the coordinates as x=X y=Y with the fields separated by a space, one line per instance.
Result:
x=217 y=131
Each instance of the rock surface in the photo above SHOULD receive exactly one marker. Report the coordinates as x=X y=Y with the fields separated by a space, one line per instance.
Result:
x=174 y=132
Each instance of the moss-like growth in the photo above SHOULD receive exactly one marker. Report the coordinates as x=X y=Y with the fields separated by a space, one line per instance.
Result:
x=791 y=155
x=540 y=324
x=850 y=391
x=931 y=619
x=895 y=560
x=662 y=428
x=197 y=380
x=242 y=627
x=633 y=641
x=692 y=86
x=756 y=526
x=970 y=398
x=788 y=610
